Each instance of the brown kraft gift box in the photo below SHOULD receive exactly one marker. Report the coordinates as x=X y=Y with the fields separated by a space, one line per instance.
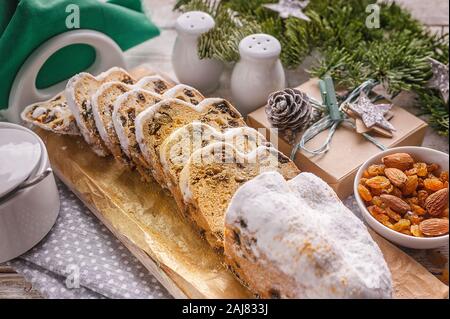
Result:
x=348 y=150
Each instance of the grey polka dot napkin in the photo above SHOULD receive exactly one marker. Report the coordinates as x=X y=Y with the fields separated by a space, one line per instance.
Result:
x=80 y=258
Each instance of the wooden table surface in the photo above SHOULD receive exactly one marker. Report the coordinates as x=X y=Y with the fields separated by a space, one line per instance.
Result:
x=157 y=54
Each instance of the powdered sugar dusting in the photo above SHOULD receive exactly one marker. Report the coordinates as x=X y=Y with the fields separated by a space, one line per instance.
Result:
x=310 y=236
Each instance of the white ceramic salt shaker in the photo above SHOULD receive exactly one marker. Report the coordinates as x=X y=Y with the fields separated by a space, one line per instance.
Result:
x=258 y=73
x=203 y=74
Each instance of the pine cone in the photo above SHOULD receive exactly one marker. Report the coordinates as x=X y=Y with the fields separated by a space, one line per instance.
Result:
x=289 y=109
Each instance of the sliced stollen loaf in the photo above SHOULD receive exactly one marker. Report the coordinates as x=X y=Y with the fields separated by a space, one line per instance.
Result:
x=78 y=94
x=156 y=123
x=185 y=93
x=296 y=239
x=214 y=173
x=126 y=108
x=176 y=150
x=53 y=115
x=103 y=106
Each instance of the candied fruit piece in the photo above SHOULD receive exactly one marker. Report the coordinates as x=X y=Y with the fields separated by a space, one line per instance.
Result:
x=366 y=174
x=364 y=193
x=378 y=182
x=416 y=231
x=422 y=169
x=375 y=170
x=433 y=184
x=406 y=232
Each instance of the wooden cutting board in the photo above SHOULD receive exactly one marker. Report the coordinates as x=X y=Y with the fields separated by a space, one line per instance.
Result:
x=143 y=217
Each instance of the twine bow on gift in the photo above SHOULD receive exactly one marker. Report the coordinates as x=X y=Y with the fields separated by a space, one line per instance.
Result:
x=335 y=117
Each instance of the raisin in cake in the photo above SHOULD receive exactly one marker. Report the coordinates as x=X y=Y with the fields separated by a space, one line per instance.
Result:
x=126 y=108
x=103 y=106
x=156 y=123
x=176 y=150
x=53 y=115
x=296 y=239
x=185 y=93
x=78 y=93
x=214 y=173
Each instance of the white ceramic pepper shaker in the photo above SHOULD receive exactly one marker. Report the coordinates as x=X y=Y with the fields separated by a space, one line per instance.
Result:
x=203 y=74
x=258 y=73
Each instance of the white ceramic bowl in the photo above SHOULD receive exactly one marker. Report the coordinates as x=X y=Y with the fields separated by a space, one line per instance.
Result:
x=423 y=154
x=27 y=215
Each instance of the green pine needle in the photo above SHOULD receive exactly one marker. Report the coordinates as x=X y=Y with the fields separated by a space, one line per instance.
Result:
x=395 y=54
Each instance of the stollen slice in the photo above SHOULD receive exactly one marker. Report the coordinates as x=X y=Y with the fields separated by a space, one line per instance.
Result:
x=156 y=123
x=53 y=115
x=103 y=106
x=176 y=150
x=78 y=93
x=126 y=108
x=212 y=176
x=185 y=93
x=296 y=239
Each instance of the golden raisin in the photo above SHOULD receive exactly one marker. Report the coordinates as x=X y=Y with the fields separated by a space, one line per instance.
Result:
x=433 y=184
x=412 y=171
x=393 y=214
x=422 y=195
x=422 y=169
x=413 y=201
x=413 y=218
x=444 y=176
x=363 y=181
x=416 y=231
x=402 y=224
x=366 y=174
x=432 y=167
x=376 y=200
x=378 y=182
x=410 y=185
x=397 y=192
x=418 y=210
x=364 y=193
x=375 y=170
x=388 y=189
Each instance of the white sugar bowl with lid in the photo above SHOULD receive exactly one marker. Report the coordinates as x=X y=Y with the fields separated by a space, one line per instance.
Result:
x=29 y=200
x=258 y=73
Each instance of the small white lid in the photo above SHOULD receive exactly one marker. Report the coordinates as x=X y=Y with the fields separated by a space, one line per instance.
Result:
x=260 y=46
x=20 y=153
x=195 y=22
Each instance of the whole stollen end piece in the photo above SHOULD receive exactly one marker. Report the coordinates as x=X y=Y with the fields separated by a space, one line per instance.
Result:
x=296 y=239
x=289 y=109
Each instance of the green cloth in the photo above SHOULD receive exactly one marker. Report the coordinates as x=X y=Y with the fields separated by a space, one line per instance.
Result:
x=26 y=24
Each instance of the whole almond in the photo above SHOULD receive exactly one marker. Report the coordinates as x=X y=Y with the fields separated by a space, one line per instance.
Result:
x=396 y=176
x=401 y=161
x=434 y=227
x=396 y=204
x=437 y=202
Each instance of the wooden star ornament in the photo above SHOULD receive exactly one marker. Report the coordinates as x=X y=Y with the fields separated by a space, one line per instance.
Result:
x=439 y=80
x=289 y=8
x=372 y=114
